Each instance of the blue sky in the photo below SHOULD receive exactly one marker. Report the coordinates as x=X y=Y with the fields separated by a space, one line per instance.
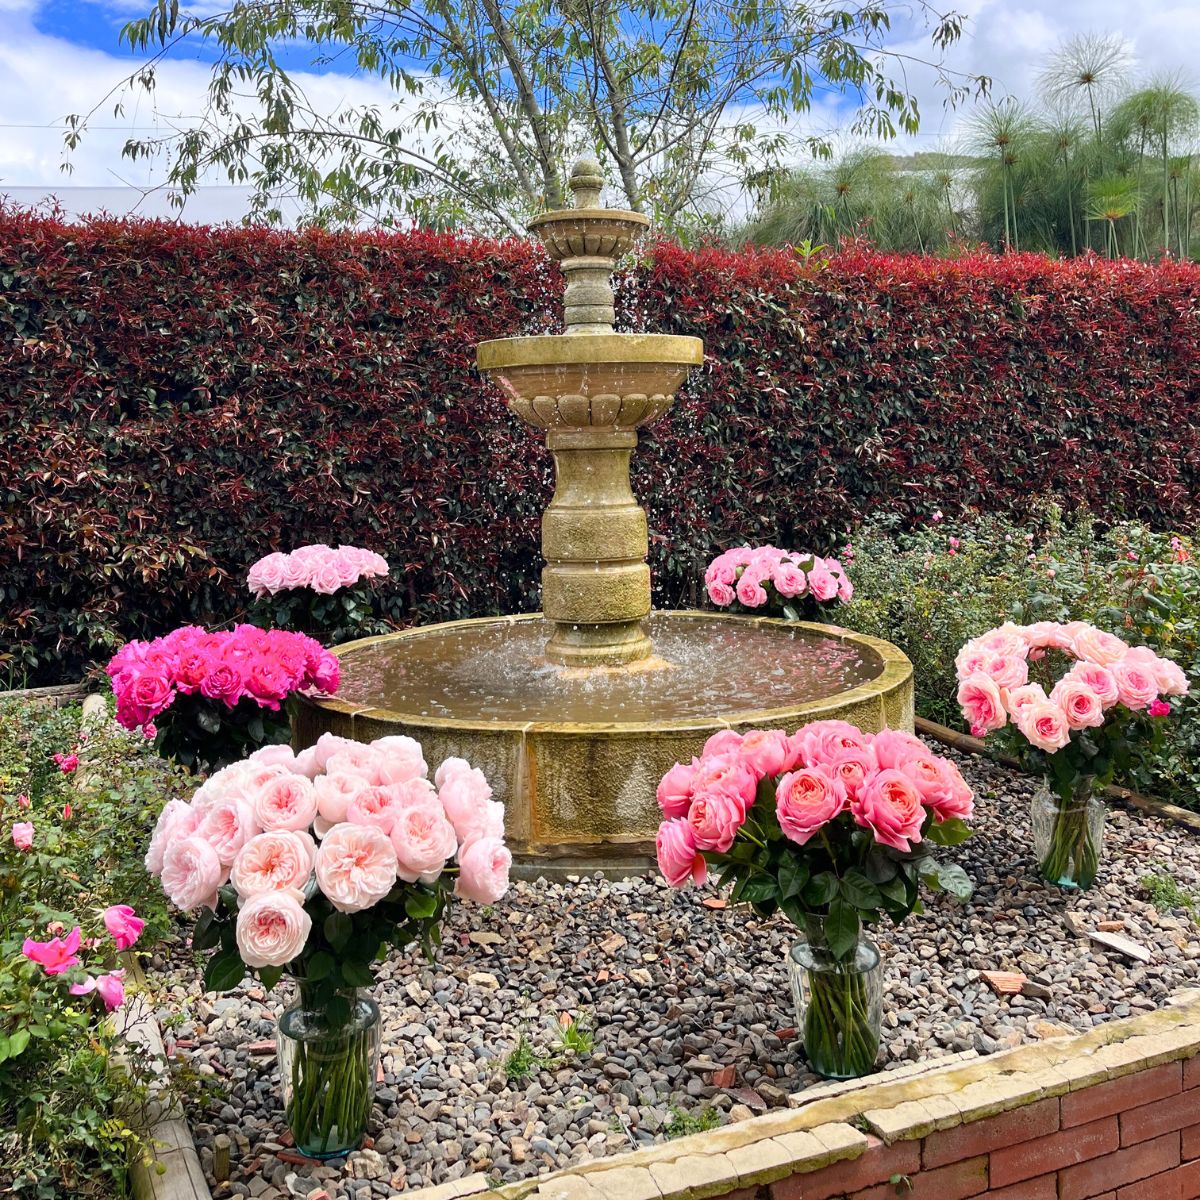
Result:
x=64 y=56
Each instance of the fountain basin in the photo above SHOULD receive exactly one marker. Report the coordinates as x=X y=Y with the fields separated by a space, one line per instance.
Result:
x=576 y=753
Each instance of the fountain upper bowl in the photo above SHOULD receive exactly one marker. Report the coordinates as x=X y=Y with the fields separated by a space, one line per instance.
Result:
x=620 y=380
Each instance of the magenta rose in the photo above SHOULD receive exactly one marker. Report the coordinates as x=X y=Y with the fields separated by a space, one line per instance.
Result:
x=889 y=805
x=678 y=858
x=806 y=800
x=223 y=682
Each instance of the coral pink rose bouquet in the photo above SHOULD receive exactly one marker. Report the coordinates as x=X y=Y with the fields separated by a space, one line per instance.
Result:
x=766 y=581
x=207 y=699
x=835 y=828
x=325 y=591
x=1076 y=704
x=314 y=865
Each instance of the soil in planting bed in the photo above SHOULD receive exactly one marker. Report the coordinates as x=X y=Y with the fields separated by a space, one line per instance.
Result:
x=688 y=1007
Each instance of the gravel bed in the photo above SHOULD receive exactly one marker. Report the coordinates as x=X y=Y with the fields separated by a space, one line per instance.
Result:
x=688 y=1006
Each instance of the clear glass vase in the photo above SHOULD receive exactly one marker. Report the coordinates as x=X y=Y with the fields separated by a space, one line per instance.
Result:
x=839 y=1005
x=1068 y=834
x=327 y=1069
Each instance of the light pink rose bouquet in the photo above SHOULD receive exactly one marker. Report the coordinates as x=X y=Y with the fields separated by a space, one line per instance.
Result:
x=768 y=581
x=1073 y=702
x=832 y=826
x=310 y=863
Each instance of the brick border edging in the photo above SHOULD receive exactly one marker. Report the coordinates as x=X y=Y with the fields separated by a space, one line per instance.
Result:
x=973 y=745
x=736 y=1161
x=174 y=1172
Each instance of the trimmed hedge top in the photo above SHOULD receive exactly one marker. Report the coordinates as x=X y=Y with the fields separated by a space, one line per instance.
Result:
x=177 y=401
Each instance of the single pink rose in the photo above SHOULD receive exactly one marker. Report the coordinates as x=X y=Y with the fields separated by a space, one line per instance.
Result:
x=1019 y=698
x=56 y=955
x=227 y=825
x=1007 y=671
x=1044 y=725
x=845 y=588
x=750 y=591
x=268 y=862
x=450 y=768
x=297 y=572
x=177 y=821
x=334 y=793
x=940 y=784
x=971 y=658
x=892 y=747
x=789 y=580
x=678 y=858
x=329 y=744
x=765 y=752
x=852 y=768
x=483 y=867
x=674 y=792
x=423 y=840
x=355 y=759
x=464 y=795
x=272 y=928
x=807 y=800
x=1080 y=704
x=400 y=760
x=192 y=873
x=109 y=987
x=727 y=775
x=485 y=820
x=1099 y=679
x=715 y=818
x=1095 y=645
x=1170 y=678
x=981 y=704
x=274 y=756
x=822 y=583
x=1137 y=687
x=285 y=802
x=377 y=806
x=1047 y=635
x=267 y=575
x=721 y=594
x=1006 y=639
x=22 y=834
x=724 y=741
x=820 y=741
x=356 y=867
x=1160 y=708
x=889 y=805
x=123 y=924
x=223 y=682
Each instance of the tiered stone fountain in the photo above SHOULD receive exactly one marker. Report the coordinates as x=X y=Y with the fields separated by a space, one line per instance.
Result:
x=575 y=713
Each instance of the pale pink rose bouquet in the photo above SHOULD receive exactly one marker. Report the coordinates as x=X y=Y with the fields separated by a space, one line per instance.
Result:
x=1076 y=704
x=312 y=864
x=833 y=827
x=327 y=592
x=767 y=581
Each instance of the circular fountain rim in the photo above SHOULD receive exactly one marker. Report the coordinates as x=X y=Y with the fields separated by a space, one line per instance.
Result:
x=895 y=671
x=582 y=349
x=563 y=216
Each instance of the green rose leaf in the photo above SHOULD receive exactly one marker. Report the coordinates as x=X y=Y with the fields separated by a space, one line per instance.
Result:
x=224 y=971
x=338 y=929
x=356 y=974
x=793 y=875
x=951 y=832
x=420 y=906
x=858 y=890
x=821 y=889
x=270 y=976
x=841 y=929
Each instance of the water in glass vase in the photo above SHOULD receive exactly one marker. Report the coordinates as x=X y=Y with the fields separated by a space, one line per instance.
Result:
x=1068 y=835
x=839 y=1006
x=327 y=1068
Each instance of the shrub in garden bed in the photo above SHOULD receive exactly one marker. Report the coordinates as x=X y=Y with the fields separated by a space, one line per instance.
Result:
x=177 y=402
x=73 y=891
x=932 y=589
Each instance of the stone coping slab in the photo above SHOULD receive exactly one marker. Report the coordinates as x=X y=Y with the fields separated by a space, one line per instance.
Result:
x=835 y=1125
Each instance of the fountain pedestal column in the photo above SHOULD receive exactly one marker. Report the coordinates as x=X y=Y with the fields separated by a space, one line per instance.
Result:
x=596 y=584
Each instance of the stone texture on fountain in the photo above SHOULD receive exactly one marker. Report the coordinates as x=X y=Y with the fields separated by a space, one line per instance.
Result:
x=590 y=389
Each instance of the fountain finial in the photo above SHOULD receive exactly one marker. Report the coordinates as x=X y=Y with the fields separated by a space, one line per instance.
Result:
x=586 y=181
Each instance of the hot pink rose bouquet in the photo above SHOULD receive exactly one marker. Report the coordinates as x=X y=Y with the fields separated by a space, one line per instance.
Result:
x=832 y=826
x=324 y=591
x=1076 y=704
x=767 y=581
x=313 y=864
x=207 y=698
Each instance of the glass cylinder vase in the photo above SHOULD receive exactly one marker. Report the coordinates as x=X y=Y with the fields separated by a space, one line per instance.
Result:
x=839 y=1005
x=327 y=1066
x=1068 y=834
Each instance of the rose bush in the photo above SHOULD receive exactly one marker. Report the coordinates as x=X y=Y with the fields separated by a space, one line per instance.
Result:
x=767 y=581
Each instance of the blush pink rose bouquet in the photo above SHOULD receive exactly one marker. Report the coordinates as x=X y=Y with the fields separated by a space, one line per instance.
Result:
x=313 y=865
x=207 y=699
x=1075 y=704
x=767 y=581
x=835 y=828
x=327 y=592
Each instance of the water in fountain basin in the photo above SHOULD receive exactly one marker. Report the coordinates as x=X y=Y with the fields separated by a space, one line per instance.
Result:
x=705 y=667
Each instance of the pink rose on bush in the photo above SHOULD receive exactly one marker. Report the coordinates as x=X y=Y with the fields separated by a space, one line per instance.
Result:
x=56 y=955
x=109 y=987
x=806 y=800
x=889 y=804
x=678 y=858
x=483 y=867
x=22 y=834
x=123 y=924
x=356 y=866
x=272 y=928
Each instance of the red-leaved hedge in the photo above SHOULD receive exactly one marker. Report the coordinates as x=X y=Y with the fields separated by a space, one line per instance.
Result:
x=176 y=401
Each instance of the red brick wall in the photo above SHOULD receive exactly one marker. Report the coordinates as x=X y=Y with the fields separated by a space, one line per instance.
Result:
x=1133 y=1138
